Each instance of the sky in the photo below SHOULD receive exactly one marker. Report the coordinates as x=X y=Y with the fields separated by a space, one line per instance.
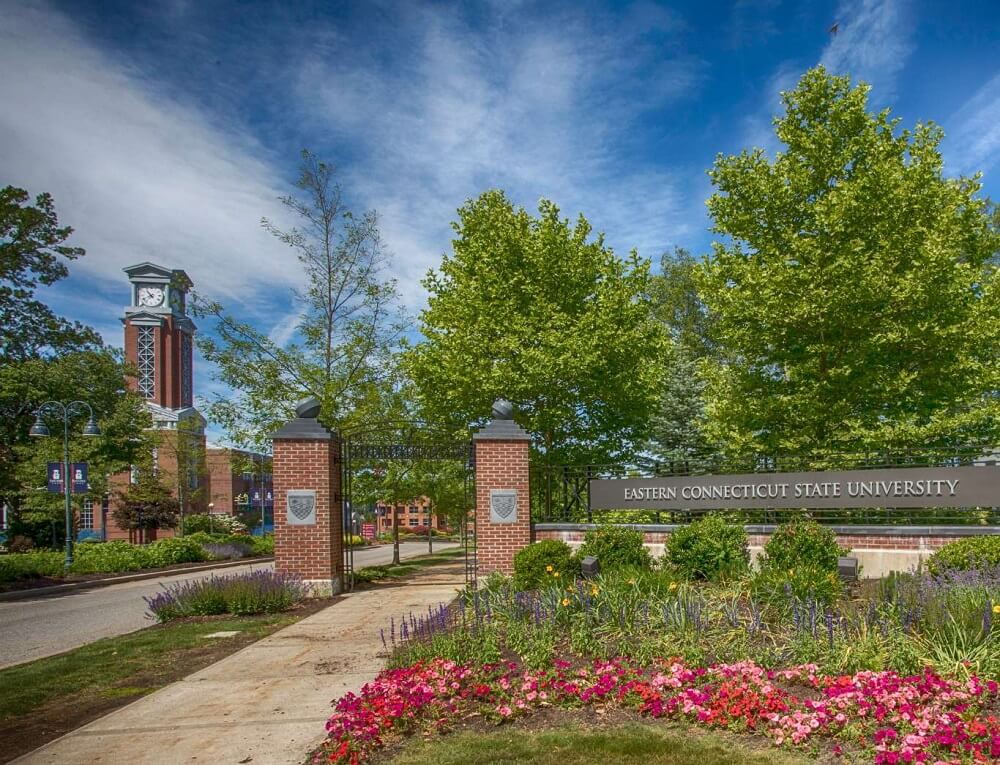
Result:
x=166 y=130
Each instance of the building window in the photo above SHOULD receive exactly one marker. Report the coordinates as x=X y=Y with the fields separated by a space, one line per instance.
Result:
x=87 y=514
x=146 y=357
x=186 y=369
x=414 y=521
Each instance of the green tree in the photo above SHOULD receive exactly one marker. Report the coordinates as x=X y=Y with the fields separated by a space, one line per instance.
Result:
x=348 y=326
x=32 y=252
x=534 y=310
x=678 y=426
x=96 y=376
x=854 y=295
x=146 y=504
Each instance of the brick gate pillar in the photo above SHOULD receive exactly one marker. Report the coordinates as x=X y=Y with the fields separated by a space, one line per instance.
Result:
x=503 y=510
x=308 y=510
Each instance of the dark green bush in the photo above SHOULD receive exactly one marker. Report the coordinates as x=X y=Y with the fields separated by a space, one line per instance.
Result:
x=30 y=565
x=801 y=543
x=110 y=557
x=550 y=561
x=166 y=552
x=709 y=549
x=615 y=547
x=261 y=545
x=965 y=554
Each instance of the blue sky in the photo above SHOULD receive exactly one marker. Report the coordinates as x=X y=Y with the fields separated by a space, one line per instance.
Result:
x=166 y=130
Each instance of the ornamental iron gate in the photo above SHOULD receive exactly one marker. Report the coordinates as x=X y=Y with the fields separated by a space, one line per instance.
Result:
x=367 y=455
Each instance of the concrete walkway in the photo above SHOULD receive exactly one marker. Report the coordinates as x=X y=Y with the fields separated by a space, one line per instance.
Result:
x=264 y=705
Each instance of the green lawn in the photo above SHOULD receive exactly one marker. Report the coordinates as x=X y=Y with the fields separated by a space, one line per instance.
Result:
x=104 y=668
x=633 y=744
x=411 y=565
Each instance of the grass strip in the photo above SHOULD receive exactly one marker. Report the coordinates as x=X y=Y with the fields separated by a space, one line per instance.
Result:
x=632 y=744
x=105 y=668
x=410 y=566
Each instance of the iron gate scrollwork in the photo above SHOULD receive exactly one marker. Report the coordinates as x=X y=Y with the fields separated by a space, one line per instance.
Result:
x=372 y=449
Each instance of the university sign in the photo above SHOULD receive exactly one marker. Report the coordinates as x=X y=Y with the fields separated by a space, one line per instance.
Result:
x=890 y=488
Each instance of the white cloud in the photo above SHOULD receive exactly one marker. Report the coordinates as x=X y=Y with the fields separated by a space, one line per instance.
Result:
x=973 y=133
x=139 y=176
x=541 y=110
x=872 y=43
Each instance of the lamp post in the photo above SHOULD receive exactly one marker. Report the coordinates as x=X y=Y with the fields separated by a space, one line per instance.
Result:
x=211 y=519
x=40 y=429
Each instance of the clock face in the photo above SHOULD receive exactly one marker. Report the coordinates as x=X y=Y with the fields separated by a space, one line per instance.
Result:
x=150 y=296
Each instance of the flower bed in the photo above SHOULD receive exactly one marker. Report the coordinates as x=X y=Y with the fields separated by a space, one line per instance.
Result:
x=869 y=716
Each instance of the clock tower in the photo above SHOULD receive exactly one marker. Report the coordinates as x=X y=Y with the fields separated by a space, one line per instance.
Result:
x=159 y=342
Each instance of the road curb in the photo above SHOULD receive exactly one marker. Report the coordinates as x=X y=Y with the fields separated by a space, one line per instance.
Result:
x=58 y=589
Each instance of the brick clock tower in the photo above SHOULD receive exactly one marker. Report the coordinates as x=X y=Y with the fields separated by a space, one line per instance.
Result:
x=159 y=343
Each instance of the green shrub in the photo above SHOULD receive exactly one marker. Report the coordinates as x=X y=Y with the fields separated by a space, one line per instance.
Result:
x=213 y=523
x=30 y=565
x=615 y=547
x=709 y=549
x=965 y=554
x=110 y=558
x=801 y=543
x=546 y=562
x=261 y=545
x=166 y=552
x=354 y=540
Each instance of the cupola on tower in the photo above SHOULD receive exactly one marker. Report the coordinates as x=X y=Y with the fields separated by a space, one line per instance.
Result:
x=159 y=342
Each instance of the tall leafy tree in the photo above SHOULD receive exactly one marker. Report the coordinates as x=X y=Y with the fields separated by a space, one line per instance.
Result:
x=536 y=310
x=33 y=252
x=97 y=377
x=349 y=322
x=678 y=427
x=854 y=292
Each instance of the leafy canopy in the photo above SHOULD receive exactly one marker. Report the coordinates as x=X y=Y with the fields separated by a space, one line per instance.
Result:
x=534 y=310
x=32 y=252
x=853 y=295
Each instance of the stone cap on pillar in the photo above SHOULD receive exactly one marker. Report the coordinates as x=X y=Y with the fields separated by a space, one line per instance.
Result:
x=502 y=427
x=305 y=426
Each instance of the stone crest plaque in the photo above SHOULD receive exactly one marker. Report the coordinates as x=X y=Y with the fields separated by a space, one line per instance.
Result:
x=503 y=506
x=301 y=507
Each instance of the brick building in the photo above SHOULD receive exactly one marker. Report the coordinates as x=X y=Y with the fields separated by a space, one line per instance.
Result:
x=159 y=343
x=413 y=514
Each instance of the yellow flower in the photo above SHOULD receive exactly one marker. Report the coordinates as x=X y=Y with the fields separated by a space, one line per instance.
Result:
x=565 y=601
x=673 y=586
x=631 y=581
x=594 y=590
x=556 y=574
x=791 y=572
x=996 y=609
x=548 y=568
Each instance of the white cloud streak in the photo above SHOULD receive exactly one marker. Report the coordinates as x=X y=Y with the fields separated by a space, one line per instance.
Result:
x=544 y=110
x=973 y=133
x=139 y=177
x=872 y=43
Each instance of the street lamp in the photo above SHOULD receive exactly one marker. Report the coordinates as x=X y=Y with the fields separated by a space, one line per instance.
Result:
x=40 y=429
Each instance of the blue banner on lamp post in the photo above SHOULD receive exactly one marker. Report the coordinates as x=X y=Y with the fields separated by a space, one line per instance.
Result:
x=55 y=477
x=80 y=485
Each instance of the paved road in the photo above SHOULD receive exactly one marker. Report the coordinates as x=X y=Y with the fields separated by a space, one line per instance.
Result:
x=31 y=629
